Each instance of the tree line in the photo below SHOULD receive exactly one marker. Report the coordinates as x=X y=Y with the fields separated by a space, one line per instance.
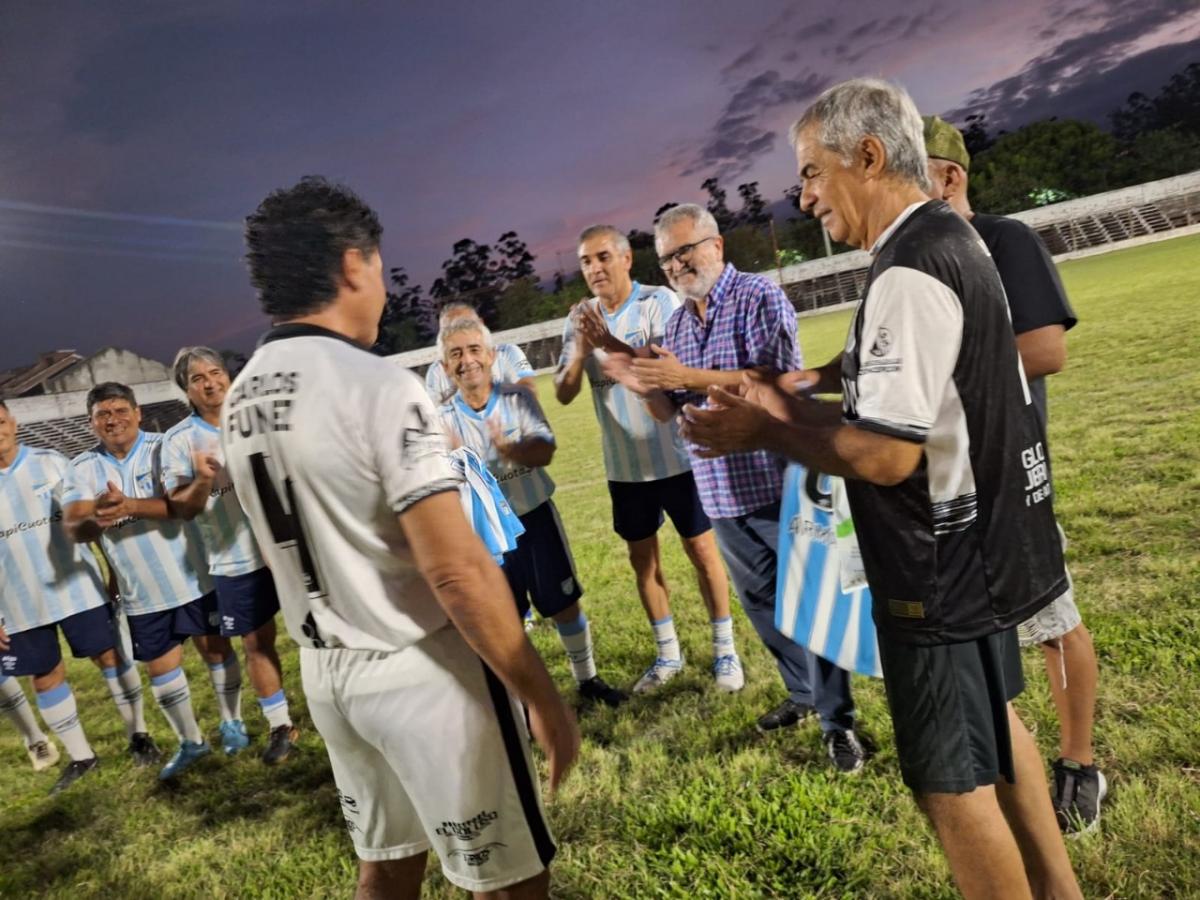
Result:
x=1042 y=162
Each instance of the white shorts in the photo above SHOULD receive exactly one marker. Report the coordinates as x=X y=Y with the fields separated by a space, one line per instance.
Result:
x=429 y=750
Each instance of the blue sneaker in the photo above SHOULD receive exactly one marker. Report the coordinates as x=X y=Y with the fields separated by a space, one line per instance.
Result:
x=187 y=754
x=234 y=737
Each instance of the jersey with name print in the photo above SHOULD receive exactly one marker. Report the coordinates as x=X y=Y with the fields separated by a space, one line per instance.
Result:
x=327 y=446
x=159 y=563
x=509 y=367
x=228 y=541
x=966 y=545
x=484 y=505
x=637 y=447
x=516 y=413
x=45 y=577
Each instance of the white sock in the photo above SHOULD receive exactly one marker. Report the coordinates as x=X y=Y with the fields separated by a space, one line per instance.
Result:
x=723 y=637
x=175 y=700
x=664 y=635
x=61 y=716
x=275 y=708
x=577 y=640
x=125 y=685
x=14 y=705
x=227 y=685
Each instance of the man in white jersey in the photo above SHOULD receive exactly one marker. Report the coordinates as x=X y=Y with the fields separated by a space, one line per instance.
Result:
x=199 y=489
x=505 y=426
x=50 y=584
x=509 y=367
x=645 y=460
x=114 y=494
x=405 y=622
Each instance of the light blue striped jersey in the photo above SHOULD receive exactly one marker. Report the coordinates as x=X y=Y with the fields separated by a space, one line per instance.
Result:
x=224 y=528
x=519 y=416
x=509 y=366
x=484 y=505
x=637 y=447
x=45 y=577
x=822 y=601
x=159 y=563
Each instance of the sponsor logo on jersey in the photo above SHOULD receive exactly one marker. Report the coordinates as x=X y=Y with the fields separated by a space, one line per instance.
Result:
x=1037 y=474
x=477 y=856
x=56 y=516
x=471 y=828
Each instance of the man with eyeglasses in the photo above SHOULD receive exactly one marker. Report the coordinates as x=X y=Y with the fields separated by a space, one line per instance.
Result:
x=732 y=323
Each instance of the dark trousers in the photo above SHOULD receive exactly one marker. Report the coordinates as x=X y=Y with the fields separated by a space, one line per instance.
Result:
x=750 y=545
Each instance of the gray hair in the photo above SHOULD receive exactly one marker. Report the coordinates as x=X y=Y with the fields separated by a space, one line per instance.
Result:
x=848 y=112
x=620 y=241
x=453 y=310
x=181 y=368
x=692 y=212
x=458 y=326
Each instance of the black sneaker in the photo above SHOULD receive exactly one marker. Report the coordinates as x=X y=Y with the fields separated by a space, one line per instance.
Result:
x=1078 y=792
x=143 y=749
x=785 y=715
x=597 y=689
x=845 y=752
x=75 y=770
x=280 y=743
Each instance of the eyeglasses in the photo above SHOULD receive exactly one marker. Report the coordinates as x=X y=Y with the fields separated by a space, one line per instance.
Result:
x=682 y=254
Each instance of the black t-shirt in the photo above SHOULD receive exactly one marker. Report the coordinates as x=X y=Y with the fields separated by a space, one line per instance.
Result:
x=967 y=545
x=1035 y=292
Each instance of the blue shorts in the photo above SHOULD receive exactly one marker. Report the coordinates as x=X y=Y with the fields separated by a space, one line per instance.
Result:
x=155 y=633
x=540 y=568
x=638 y=506
x=246 y=602
x=37 y=651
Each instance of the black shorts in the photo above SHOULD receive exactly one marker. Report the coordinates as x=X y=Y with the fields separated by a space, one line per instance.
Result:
x=245 y=602
x=638 y=506
x=541 y=568
x=153 y=634
x=37 y=651
x=949 y=705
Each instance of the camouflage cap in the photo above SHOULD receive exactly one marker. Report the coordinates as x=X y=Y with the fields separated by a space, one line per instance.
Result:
x=944 y=141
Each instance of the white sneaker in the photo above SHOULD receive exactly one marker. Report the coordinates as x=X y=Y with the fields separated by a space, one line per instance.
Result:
x=43 y=754
x=662 y=671
x=728 y=674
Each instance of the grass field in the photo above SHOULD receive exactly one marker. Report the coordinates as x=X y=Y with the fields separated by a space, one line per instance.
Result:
x=675 y=794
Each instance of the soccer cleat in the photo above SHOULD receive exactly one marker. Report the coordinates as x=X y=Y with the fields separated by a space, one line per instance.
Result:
x=845 y=752
x=1078 y=792
x=143 y=749
x=75 y=770
x=728 y=674
x=660 y=672
x=597 y=689
x=43 y=754
x=280 y=744
x=187 y=755
x=785 y=715
x=234 y=737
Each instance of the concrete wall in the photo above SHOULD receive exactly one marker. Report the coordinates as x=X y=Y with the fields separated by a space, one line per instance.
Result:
x=109 y=364
x=49 y=407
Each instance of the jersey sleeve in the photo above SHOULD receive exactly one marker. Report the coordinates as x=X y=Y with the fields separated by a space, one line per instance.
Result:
x=530 y=417
x=568 y=343
x=907 y=351
x=408 y=443
x=437 y=383
x=79 y=482
x=1031 y=281
x=177 y=466
x=665 y=303
x=514 y=363
x=771 y=332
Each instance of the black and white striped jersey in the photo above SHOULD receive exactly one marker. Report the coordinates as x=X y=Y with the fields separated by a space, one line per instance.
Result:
x=966 y=545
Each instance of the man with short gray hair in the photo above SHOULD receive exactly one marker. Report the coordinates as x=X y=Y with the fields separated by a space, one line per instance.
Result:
x=946 y=470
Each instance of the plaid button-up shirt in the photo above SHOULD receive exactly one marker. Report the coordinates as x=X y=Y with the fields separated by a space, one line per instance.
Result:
x=749 y=322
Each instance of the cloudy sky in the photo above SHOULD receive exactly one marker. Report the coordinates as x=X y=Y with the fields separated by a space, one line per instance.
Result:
x=135 y=136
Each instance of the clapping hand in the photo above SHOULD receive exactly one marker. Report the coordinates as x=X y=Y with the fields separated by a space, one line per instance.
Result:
x=662 y=372
x=112 y=506
x=730 y=424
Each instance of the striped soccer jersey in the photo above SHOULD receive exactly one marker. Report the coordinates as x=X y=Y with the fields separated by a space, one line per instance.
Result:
x=509 y=366
x=484 y=505
x=45 y=577
x=519 y=416
x=822 y=601
x=228 y=541
x=159 y=563
x=637 y=447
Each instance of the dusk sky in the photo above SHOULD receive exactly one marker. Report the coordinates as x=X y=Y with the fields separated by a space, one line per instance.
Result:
x=134 y=137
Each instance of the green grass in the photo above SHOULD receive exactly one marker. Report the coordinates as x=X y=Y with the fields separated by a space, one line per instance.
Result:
x=676 y=795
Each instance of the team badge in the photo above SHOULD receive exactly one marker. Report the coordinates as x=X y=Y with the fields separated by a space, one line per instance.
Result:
x=883 y=342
